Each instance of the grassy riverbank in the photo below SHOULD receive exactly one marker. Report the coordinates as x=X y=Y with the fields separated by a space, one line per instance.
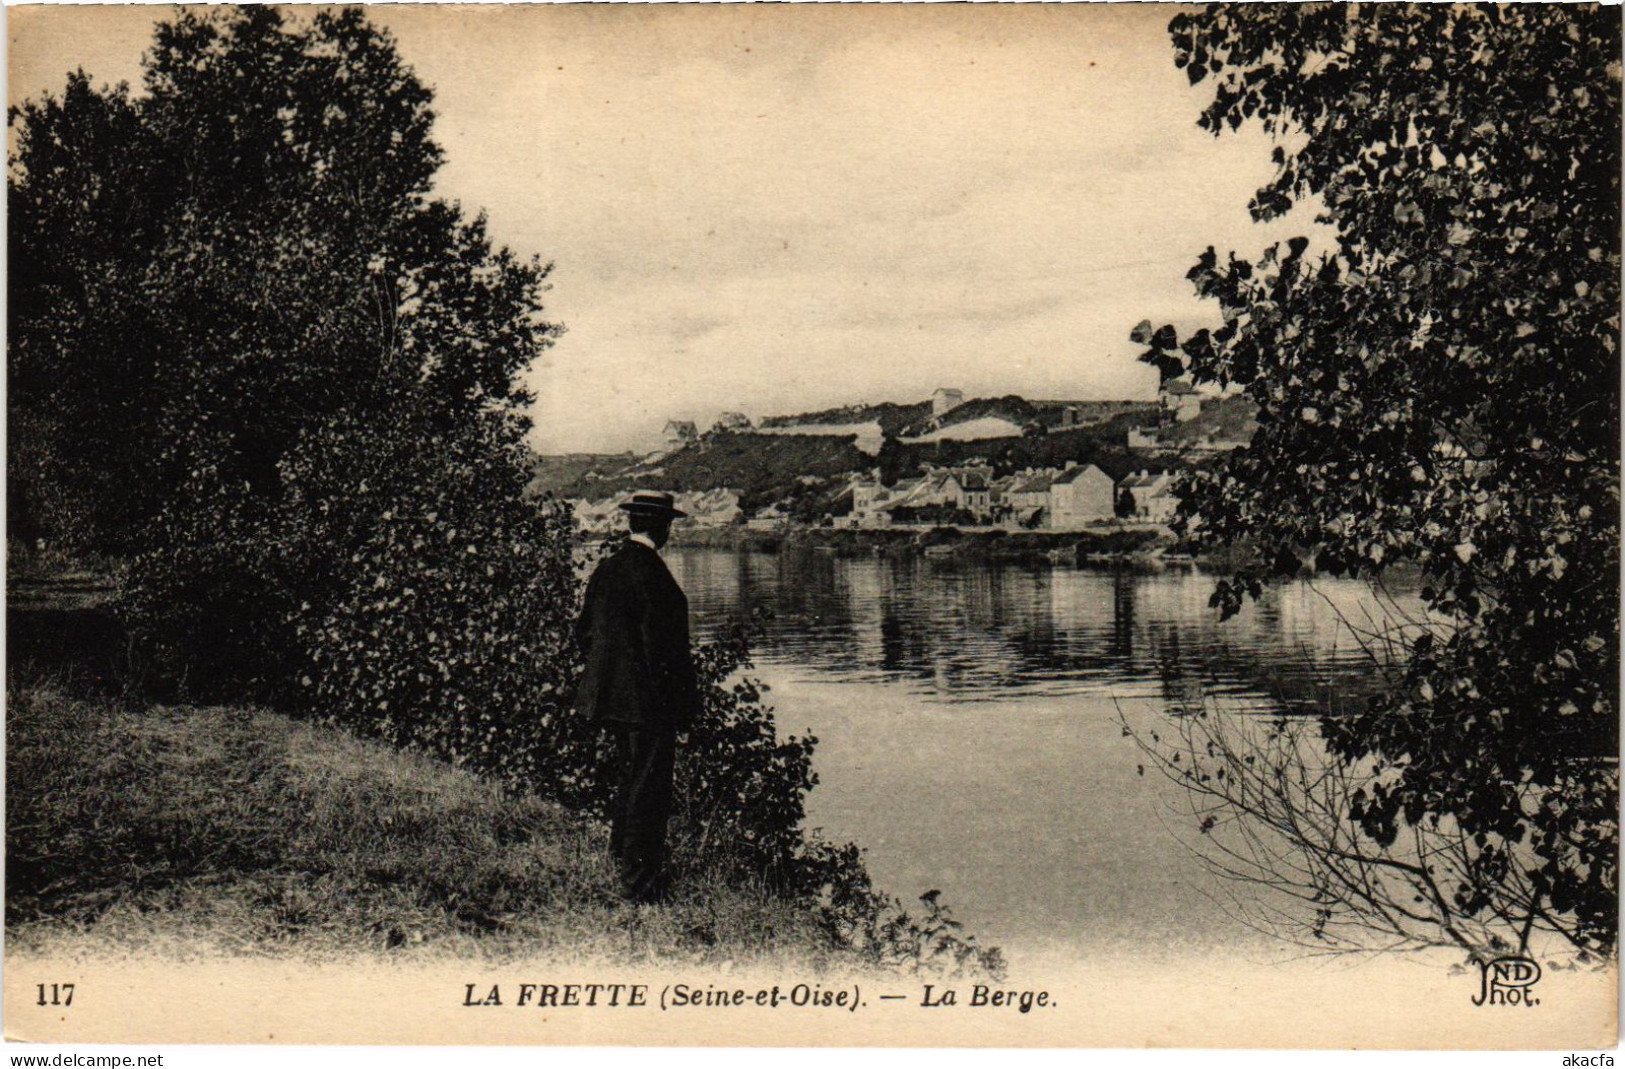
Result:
x=204 y=830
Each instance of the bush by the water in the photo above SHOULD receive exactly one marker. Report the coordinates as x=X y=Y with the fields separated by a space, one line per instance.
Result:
x=443 y=620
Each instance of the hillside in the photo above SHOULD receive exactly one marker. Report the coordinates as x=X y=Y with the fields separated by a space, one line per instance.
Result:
x=1102 y=445
x=1231 y=419
x=1050 y=415
x=916 y=420
x=555 y=473
x=893 y=418
x=764 y=468
x=806 y=472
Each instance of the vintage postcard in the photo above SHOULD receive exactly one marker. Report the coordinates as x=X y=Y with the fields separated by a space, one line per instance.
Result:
x=859 y=525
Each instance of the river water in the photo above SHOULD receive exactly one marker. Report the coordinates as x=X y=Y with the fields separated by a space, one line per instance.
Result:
x=970 y=725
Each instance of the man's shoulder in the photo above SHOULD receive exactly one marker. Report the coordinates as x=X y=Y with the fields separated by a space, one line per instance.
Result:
x=630 y=560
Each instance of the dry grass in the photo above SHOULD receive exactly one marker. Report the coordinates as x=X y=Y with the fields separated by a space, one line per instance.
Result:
x=198 y=831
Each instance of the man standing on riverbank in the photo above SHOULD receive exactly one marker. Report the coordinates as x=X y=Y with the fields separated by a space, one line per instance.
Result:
x=639 y=682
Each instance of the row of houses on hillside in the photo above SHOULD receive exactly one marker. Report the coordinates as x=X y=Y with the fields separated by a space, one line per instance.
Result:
x=679 y=433
x=1068 y=498
x=936 y=494
x=705 y=508
x=1065 y=498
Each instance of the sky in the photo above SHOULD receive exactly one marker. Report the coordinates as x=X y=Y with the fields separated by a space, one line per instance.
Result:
x=782 y=208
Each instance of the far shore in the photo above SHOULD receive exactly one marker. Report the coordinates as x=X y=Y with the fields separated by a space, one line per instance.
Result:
x=1140 y=543
x=1132 y=546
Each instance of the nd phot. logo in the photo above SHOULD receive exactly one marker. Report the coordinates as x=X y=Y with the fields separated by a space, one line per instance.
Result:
x=1508 y=981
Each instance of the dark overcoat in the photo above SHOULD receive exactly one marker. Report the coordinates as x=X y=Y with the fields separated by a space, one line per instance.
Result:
x=633 y=632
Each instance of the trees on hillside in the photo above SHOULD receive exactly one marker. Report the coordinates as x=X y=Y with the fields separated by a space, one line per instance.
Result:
x=1440 y=387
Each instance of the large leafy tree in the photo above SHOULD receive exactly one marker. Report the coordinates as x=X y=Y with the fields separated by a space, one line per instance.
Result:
x=1439 y=387
x=203 y=271
x=238 y=279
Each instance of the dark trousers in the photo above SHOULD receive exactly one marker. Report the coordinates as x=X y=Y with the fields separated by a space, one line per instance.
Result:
x=642 y=807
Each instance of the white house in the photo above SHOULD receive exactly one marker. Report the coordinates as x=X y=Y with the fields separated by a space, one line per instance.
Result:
x=680 y=432
x=869 y=497
x=711 y=508
x=1028 y=496
x=1153 y=495
x=969 y=489
x=1180 y=398
x=600 y=516
x=1080 y=496
x=1143 y=438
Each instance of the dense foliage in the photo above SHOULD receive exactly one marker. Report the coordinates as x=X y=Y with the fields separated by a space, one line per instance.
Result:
x=241 y=326
x=449 y=626
x=200 y=274
x=1439 y=387
x=740 y=787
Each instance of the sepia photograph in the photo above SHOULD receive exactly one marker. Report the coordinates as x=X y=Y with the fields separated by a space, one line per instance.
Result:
x=813 y=525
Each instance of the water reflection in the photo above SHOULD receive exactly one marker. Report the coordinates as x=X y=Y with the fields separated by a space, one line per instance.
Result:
x=973 y=633
x=968 y=718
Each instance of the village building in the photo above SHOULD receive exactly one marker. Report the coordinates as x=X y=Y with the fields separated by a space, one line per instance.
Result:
x=1028 y=497
x=732 y=421
x=998 y=492
x=1152 y=495
x=910 y=496
x=967 y=489
x=705 y=508
x=1081 y=495
x=769 y=519
x=585 y=513
x=945 y=400
x=1180 y=399
x=869 y=498
x=867 y=491
x=1143 y=438
x=679 y=433
x=711 y=508
x=909 y=492
x=600 y=517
